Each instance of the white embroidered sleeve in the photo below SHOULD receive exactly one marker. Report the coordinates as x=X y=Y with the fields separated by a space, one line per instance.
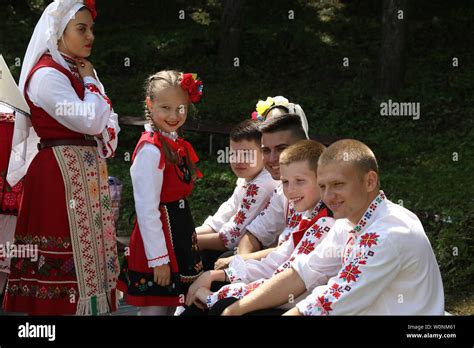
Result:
x=360 y=281
x=251 y=270
x=268 y=225
x=251 y=204
x=52 y=91
x=324 y=261
x=235 y=290
x=107 y=141
x=147 y=181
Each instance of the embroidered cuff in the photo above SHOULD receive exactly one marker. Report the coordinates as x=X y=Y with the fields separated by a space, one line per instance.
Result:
x=231 y=238
x=212 y=299
x=106 y=145
x=307 y=307
x=159 y=261
x=232 y=290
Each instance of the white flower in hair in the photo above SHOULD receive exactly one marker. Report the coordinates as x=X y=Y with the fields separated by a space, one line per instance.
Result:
x=279 y=100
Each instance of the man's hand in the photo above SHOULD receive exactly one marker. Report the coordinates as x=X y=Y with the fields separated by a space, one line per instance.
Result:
x=201 y=297
x=223 y=263
x=204 y=281
x=162 y=275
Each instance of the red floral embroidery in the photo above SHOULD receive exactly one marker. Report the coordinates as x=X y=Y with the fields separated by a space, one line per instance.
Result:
x=94 y=89
x=306 y=247
x=251 y=287
x=246 y=204
x=235 y=232
x=223 y=292
x=224 y=238
x=369 y=239
x=239 y=217
x=325 y=304
x=350 y=273
x=336 y=290
x=294 y=219
x=112 y=134
x=252 y=190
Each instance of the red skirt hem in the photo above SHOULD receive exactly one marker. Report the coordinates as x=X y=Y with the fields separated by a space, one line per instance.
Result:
x=39 y=307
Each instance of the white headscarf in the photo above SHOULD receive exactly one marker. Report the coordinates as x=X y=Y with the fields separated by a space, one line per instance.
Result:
x=262 y=108
x=48 y=31
x=298 y=110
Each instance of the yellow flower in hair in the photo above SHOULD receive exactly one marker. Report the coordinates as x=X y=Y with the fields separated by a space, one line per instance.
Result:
x=263 y=106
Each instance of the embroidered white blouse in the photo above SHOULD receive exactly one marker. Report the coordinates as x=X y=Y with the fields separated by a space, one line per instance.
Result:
x=52 y=91
x=247 y=201
x=389 y=270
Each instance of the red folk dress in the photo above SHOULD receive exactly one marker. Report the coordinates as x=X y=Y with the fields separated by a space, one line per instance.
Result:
x=48 y=284
x=136 y=277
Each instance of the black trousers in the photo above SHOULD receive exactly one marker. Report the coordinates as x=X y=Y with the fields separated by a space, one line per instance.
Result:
x=220 y=305
x=209 y=257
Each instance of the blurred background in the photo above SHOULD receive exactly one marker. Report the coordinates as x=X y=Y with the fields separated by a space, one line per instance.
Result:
x=337 y=59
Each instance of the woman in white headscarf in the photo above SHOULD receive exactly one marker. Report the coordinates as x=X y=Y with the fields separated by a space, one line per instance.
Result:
x=65 y=234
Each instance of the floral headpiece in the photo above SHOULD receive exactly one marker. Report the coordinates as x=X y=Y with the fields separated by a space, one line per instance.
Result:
x=263 y=106
x=90 y=4
x=193 y=86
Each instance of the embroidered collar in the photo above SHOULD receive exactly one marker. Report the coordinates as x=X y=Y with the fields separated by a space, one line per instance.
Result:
x=369 y=213
x=246 y=183
x=310 y=214
x=362 y=224
x=71 y=63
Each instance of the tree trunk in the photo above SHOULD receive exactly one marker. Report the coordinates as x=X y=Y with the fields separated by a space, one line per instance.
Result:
x=392 y=65
x=231 y=27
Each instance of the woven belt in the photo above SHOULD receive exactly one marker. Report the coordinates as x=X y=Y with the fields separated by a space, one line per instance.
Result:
x=60 y=142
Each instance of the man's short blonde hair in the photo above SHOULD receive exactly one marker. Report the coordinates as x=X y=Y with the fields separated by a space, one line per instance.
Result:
x=303 y=150
x=353 y=152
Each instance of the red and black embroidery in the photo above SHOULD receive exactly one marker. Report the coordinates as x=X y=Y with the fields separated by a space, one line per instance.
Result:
x=350 y=271
x=94 y=89
x=233 y=235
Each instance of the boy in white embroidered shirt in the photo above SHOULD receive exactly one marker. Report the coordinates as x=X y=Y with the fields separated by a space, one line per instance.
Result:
x=224 y=229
